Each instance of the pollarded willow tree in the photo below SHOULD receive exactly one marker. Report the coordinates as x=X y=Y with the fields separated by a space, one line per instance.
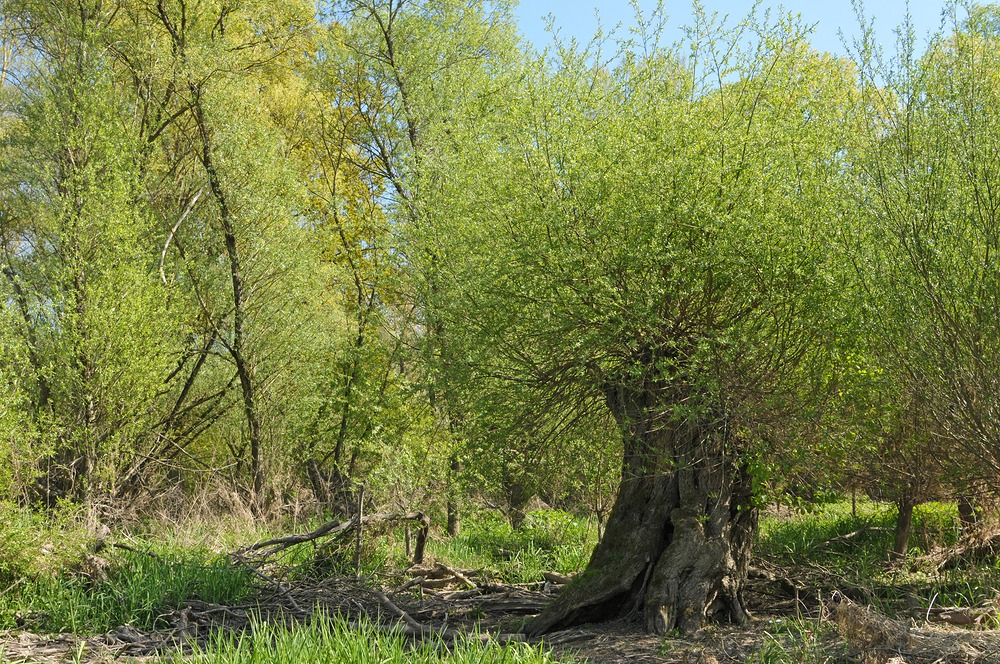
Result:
x=649 y=232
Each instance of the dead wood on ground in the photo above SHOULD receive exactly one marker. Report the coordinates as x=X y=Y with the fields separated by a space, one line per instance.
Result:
x=877 y=639
x=270 y=547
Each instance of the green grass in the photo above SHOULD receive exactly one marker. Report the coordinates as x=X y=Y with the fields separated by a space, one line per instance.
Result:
x=814 y=534
x=44 y=591
x=49 y=582
x=547 y=541
x=137 y=591
x=815 y=542
x=323 y=640
x=39 y=544
x=798 y=641
x=47 y=592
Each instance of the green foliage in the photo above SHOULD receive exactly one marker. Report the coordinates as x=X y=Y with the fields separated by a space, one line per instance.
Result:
x=819 y=534
x=923 y=235
x=547 y=541
x=396 y=248
x=35 y=545
x=92 y=322
x=331 y=639
x=643 y=234
x=798 y=641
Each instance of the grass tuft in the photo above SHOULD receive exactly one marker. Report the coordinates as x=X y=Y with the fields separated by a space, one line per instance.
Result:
x=137 y=590
x=324 y=639
x=798 y=641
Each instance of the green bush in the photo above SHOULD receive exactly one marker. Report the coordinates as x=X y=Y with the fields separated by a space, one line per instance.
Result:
x=33 y=545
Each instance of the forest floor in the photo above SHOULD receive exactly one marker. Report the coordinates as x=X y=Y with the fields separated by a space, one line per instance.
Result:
x=786 y=627
x=826 y=595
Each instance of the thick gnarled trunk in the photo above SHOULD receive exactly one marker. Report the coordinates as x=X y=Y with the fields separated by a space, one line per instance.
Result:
x=677 y=545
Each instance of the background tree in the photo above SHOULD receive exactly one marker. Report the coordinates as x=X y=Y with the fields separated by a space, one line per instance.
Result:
x=926 y=178
x=91 y=316
x=410 y=62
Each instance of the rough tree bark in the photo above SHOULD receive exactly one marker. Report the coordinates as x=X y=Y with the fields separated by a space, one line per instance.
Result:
x=454 y=526
x=677 y=545
x=904 y=520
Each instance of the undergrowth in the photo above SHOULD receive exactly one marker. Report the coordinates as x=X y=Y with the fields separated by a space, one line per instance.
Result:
x=136 y=589
x=47 y=587
x=798 y=641
x=852 y=547
x=552 y=541
x=33 y=544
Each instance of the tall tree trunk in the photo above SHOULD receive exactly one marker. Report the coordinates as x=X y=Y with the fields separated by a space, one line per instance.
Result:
x=968 y=515
x=454 y=512
x=519 y=495
x=237 y=347
x=677 y=545
x=89 y=450
x=904 y=519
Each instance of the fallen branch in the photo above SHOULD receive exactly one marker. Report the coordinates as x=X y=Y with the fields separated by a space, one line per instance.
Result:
x=459 y=594
x=842 y=539
x=413 y=628
x=440 y=576
x=415 y=581
x=873 y=636
x=961 y=616
x=458 y=575
x=969 y=550
x=277 y=584
x=790 y=587
x=437 y=584
x=557 y=579
x=279 y=544
x=282 y=543
x=132 y=549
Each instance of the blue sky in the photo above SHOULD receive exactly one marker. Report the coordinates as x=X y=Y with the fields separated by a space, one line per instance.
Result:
x=576 y=17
